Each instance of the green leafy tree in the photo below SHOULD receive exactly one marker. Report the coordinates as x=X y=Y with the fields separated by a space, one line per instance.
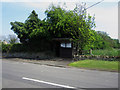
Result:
x=107 y=40
x=116 y=43
x=24 y=30
x=54 y=20
x=71 y=24
x=19 y=29
x=32 y=32
x=59 y=23
x=104 y=41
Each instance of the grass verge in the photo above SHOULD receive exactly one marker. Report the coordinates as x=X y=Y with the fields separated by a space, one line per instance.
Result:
x=96 y=64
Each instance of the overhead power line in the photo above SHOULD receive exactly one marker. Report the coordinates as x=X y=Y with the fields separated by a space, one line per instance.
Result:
x=94 y=4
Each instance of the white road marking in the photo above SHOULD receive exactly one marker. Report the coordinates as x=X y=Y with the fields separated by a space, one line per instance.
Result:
x=35 y=80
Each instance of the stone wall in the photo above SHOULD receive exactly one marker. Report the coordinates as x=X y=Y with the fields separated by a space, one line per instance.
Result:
x=50 y=55
x=98 y=57
x=40 y=55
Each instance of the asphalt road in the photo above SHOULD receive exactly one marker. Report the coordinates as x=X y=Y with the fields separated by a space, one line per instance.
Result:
x=27 y=75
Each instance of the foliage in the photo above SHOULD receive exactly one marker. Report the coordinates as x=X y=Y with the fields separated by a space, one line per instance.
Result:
x=103 y=41
x=29 y=29
x=107 y=41
x=18 y=47
x=96 y=64
x=61 y=23
x=106 y=52
x=6 y=47
x=71 y=24
x=116 y=43
x=13 y=47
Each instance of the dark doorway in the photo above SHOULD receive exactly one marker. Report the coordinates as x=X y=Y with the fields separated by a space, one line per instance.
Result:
x=57 y=49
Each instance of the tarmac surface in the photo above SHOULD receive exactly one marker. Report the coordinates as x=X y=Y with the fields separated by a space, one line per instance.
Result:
x=18 y=73
x=58 y=62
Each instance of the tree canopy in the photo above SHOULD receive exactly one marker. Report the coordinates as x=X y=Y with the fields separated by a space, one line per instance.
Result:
x=59 y=23
x=75 y=24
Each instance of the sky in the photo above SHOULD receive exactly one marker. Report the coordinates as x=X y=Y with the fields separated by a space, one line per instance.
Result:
x=106 y=13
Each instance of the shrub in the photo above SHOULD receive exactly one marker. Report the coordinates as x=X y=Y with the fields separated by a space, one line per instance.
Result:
x=106 y=52
x=6 y=47
x=18 y=48
x=25 y=47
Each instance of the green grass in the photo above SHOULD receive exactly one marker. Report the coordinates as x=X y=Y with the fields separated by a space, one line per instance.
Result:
x=106 y=52
x=96 y=64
